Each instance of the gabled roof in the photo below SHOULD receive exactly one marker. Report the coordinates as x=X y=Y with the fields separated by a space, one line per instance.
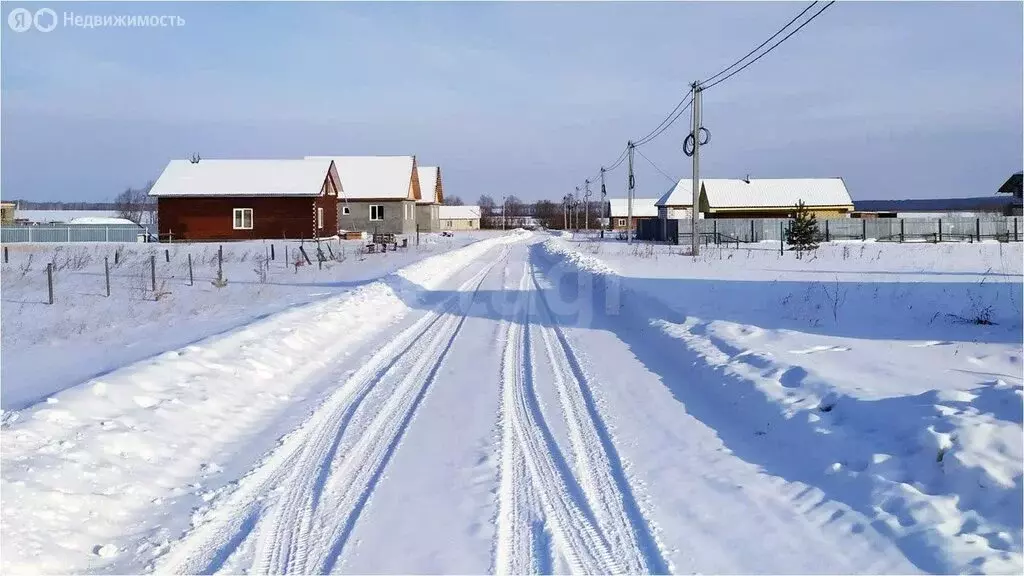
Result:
x=430 y=178
x=458 y=212
x=375 y=177
x=642 y=207
x=1013 y=185
x=734 y=193
x=679 y=195
x=775 y=192
x=242 y=178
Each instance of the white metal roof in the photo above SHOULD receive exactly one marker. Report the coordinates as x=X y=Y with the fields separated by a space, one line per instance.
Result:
x=100 y=220
x=679 y=195
x=642 y=207
x=242 y=178
x=371 y=177
x=428 y=185
x=458 y=212
x=723 y=193
x=775 y=192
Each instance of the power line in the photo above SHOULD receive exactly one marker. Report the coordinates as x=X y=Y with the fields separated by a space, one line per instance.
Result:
x=713 y=81
x=772 y=47
x=666 y=126
x=659 y=128
x=772 y=37
x=618 y=161
x=670 y=179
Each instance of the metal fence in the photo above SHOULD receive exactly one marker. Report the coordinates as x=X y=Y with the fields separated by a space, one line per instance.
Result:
x=729 y=230
x=76 y=233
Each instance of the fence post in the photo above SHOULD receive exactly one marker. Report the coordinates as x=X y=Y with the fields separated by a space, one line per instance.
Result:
x=69 y=233
x=940 y=229
x=751 y=230
x=167 y=255
x=827 y=234
x=106 y=273
x=152 y=271
x=49 y=281
x=714 y=223
x=271 y=251
x=901 y=230
x=117 y=256
x=220 y=262
x=106 y=232
x=286 y=256
x=977 y=228
x=191 y=282
x=1015 y=229
x=863 y=229
x=782 y=240
x=6 y=257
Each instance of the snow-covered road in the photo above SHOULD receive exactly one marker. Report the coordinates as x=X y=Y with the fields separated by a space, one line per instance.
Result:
x=486 y=410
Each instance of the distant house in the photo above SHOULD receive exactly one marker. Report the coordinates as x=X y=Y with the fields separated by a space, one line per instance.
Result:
x=7 y=212
x=934 y=207
x=643 y=209
x=1014 y=186
x=247 y=199
x=380 y=193
x=454 y=218
x=431 y=196
x=677 y=203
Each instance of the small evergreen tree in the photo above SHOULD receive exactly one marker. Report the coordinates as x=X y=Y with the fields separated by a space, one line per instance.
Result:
x=803 y=234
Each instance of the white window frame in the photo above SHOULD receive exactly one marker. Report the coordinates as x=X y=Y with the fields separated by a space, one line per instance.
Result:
x=345 y=210
x=622 y=221
x=319 y=218
x=448 y=223
x=379 y=209
x=238 y=218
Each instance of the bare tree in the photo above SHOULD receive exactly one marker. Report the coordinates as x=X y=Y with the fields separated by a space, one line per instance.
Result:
x=134 y=204
x=486 y=204
x=453 y=201
x=548 y=214
x=514 y=206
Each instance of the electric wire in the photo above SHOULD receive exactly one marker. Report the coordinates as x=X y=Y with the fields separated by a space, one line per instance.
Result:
x=772 y=47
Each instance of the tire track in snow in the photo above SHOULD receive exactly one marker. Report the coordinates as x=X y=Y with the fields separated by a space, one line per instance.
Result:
x=598 y=466
x=353 y=481
x=300 y=466
x=524 y=432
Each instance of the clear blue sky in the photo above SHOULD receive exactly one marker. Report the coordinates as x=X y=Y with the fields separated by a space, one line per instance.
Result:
x=901 y=99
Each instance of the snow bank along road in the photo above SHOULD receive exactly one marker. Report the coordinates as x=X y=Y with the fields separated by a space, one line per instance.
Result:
x=475 y=412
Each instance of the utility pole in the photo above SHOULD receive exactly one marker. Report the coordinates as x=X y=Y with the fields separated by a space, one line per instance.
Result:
x=629 y=195
x=576 y=210
x=695 y=208
x=504 y=205
x=565 y=212
x=604 y=199
x=586 y=206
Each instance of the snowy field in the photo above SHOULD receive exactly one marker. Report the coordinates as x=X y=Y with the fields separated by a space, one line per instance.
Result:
x=883 y=377
x=84 y=333
x=516 y=403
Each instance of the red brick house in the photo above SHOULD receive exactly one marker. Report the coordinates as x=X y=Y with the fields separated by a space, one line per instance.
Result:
x=247 y=199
